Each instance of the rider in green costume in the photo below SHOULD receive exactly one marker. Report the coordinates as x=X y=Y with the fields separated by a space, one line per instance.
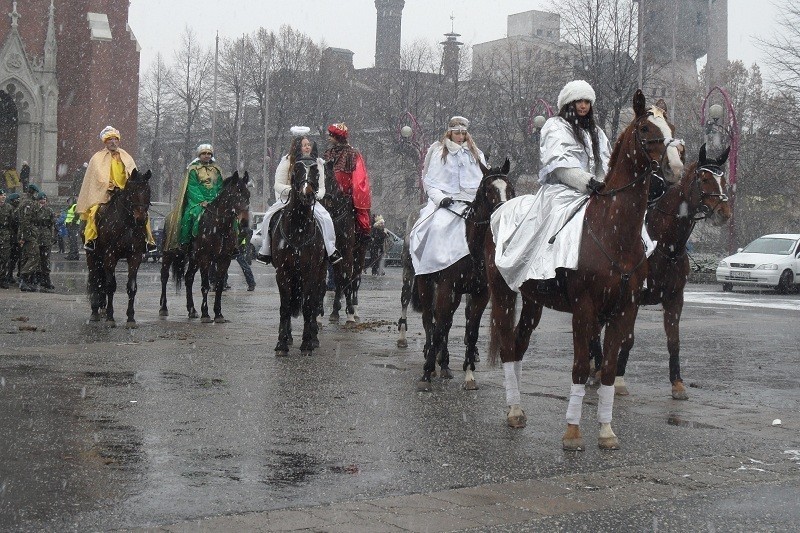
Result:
x=201 y=185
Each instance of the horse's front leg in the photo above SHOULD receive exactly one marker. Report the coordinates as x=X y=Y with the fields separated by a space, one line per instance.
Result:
x=348 y=301
x=285 y=313
x=219 y=286
x=310 y=326
x=205 y=285
x=476 y=304
x=426 y=289
x=111 y=288
x=188 y=281
x=585 y=327
x=673 y=307
x=133 y=269
x=405 y=299
x=447 y=302
x=165 y=264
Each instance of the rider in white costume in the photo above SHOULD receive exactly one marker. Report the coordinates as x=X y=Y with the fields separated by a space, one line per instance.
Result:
x=451 y=177
x=536 y=234
x=301 y=146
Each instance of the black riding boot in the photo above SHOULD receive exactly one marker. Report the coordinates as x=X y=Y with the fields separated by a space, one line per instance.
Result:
x=45 y=284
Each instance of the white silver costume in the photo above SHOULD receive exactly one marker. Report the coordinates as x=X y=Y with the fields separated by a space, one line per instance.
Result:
x=523 y=226
x=438 y=239
x=283 y=184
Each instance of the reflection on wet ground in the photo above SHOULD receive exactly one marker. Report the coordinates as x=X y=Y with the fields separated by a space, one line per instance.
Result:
x=108 y=428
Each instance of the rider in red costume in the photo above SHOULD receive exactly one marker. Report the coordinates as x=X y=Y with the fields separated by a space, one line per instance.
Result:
x=351 y=175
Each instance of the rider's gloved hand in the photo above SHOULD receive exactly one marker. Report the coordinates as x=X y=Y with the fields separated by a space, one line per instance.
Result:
x=446 y=202
x=594 y=186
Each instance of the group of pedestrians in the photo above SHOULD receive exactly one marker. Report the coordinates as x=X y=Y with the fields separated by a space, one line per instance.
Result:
x=26 y=240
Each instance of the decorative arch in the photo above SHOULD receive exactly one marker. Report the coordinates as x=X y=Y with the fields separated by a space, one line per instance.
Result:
x=23 y=98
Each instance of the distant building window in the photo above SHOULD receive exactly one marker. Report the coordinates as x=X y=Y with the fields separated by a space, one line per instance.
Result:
x=99 y=28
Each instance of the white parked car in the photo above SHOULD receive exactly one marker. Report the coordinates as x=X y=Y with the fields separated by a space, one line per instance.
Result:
x=769 y=261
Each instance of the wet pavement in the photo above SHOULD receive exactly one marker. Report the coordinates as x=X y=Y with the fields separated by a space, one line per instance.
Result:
x=186 y=426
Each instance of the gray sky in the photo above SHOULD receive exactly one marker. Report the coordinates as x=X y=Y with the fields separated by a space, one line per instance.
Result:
x=350 y=24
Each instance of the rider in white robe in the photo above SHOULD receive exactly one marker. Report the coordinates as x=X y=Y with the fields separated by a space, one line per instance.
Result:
x=524 y=226
x=438 y=239
x=283 y=185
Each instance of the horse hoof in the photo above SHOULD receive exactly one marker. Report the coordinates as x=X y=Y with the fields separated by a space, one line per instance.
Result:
x=333 y=318
x=111 y=323
x=131 y=324
x=94 y=318
x=307 y=352
x=193 y=314
x=573 y=445
x=220 y=320
x=163 y=312
x=424 y=386
x=206 y=320
x=281 y=353
x=516 y=418
x=679 y=391
x=572 y=441
x=446 y=374
x=402 y=343
x=608 y=443
x=470 y=384
x=621 y=390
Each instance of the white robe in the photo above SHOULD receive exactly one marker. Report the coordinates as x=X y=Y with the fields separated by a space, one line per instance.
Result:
x=283 y=184
x=438 y=239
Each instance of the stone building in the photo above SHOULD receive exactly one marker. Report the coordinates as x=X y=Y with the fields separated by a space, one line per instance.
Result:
x=68 y=68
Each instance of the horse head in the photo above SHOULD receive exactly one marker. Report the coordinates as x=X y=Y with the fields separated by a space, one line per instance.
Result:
x=653 y=133
x=305 y=179
x=495 y=188
x=708 y=187
x=137 y=195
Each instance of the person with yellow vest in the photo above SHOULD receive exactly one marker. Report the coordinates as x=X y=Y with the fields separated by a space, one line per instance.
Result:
x=72 y=222
x=108 y=170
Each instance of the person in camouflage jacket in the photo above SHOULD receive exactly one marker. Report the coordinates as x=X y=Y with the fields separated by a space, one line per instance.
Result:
x=6 y=222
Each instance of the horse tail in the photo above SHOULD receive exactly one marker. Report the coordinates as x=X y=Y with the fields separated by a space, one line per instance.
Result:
x=178 y=268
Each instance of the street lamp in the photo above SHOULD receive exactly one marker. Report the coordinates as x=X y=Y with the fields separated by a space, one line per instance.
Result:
x=161 y=181
x=413 y=135
x=536 y=121
x=715 y=127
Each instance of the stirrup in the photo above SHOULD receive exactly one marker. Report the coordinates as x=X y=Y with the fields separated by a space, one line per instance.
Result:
x=335 y=257
x=263 y=259
x=151 y=248
x=89 y=246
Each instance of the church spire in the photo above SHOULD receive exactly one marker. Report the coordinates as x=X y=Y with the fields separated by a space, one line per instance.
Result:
x=14 y=15
x=50 y=47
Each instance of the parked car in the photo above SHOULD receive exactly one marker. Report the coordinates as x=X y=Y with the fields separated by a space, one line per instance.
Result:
x=393 y=254
x=769 y=261
x=158 y=213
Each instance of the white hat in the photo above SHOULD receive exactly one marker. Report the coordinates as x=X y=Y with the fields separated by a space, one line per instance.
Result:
x=298 y=131
x=575 y=90
x=109 y=132
x=205 y=148
x=379 y=220
x=458 y=123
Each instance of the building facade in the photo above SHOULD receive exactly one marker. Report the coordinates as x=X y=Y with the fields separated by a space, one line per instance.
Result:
x=68 y=68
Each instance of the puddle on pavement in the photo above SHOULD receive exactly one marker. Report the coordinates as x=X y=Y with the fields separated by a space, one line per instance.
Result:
x=673 y=420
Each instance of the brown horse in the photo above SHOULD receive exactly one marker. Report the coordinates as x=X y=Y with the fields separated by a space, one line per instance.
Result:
x=120 y=235
x=347 y=274
x=698 y=196
x=217 y=242
x=604 y=288
x=298 y=253
x=438 y=294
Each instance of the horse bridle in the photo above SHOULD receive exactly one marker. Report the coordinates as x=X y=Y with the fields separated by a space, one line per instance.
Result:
x=308 y=163
x=703 y=210
x=656 y=168
x=467 y=213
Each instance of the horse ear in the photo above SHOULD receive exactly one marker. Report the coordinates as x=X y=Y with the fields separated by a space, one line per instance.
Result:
x=639 y=103
x=148 y=175
x=662 y=105
x=484 y=168
x=723 y=156
x=702 y=157
x=246 y=178
x=235 y=174
x=506 y=166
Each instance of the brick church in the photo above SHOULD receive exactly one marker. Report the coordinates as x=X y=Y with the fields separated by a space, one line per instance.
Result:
x=67 y=69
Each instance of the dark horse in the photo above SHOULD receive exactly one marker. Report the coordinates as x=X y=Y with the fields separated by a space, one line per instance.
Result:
x=217 y=242
x=120 y=235
x=438 y=294
x=604 y=288
x=347 y=275
x=670 y=220
x=298 y=253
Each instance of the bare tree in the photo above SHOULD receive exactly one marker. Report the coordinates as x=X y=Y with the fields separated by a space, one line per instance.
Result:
x=155 y=103
x=191 y=85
